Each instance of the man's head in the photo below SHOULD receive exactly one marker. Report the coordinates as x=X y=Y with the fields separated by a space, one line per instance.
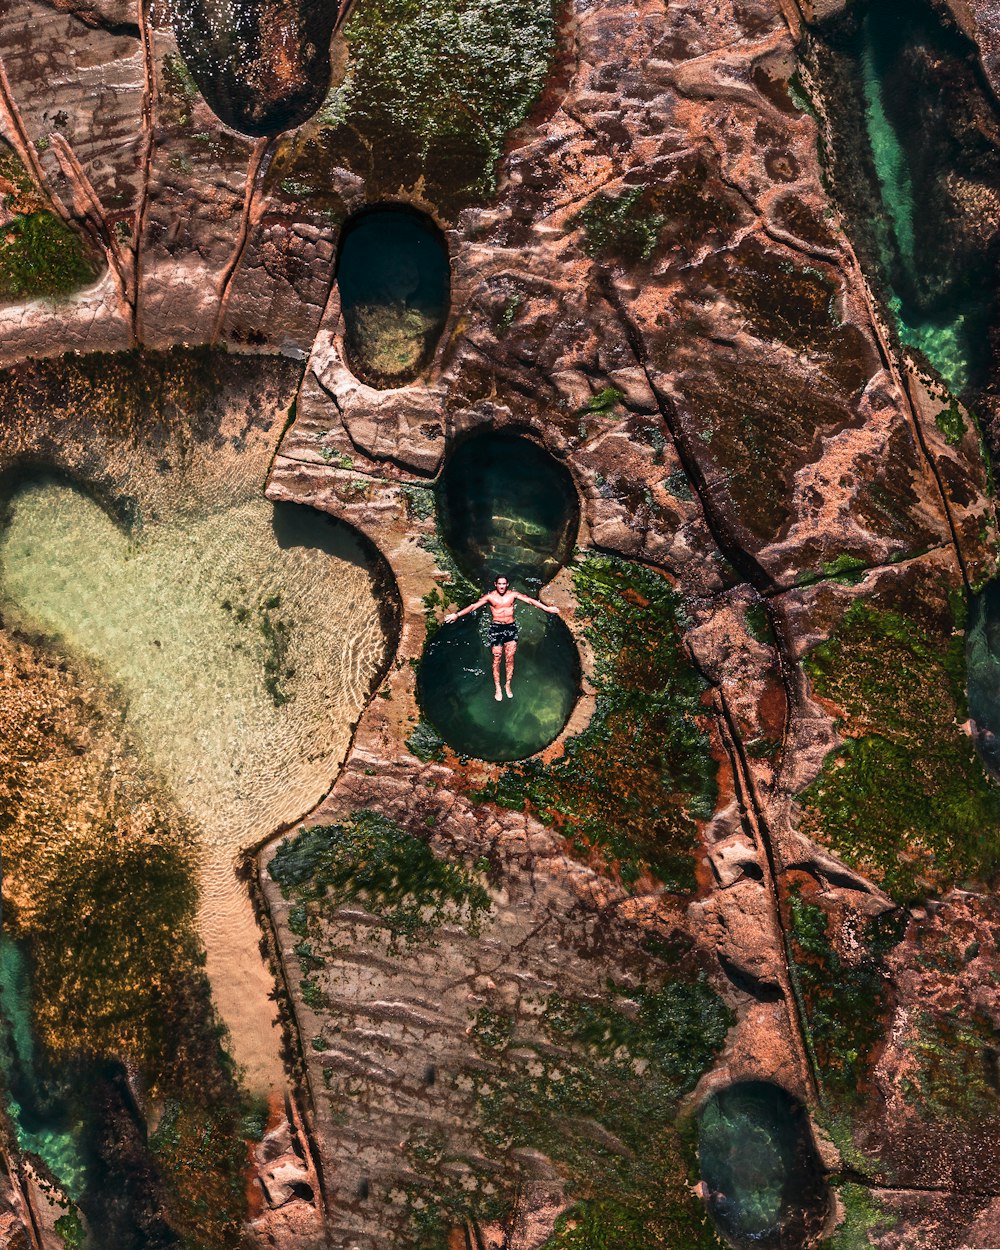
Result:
x=501 y=584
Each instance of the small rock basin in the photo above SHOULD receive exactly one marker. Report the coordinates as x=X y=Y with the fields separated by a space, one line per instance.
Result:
x=506 y=506
x=394 y=280
x=765 y=1181
x=263 y=66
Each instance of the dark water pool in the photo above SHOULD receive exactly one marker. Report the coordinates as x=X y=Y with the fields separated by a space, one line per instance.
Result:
x=765 y=1180
x=506 y=506
x=262 y=65
x=982 y=658
x=395 y=286
x=456 y=686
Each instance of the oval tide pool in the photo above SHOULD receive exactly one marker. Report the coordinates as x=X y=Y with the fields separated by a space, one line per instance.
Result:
x=765 y=1181
x=456 y=686
x=263 y=66
x=507 y=506
x=395 y=285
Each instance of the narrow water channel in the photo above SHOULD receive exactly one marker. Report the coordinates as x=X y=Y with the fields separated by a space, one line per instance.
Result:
x=917 y=160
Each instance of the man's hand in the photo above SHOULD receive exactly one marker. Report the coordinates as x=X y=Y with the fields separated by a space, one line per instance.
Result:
x=452 y=616
x=552 y=611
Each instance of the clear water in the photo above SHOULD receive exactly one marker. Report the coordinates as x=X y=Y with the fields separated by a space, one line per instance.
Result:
x=457 y=695
x=982 y=655
x=953 y=337
x=50 y=1132
x=506 y=506
x=245 y=733
x=758 y=1161
x=395 y=284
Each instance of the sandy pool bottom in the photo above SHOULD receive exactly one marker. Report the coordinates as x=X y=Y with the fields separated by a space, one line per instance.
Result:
x=241 y=642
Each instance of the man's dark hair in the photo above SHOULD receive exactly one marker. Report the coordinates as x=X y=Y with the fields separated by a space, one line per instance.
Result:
x=501 y=577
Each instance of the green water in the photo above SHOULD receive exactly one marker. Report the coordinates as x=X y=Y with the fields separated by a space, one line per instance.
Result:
x=394 y=281
x=241 y=642
x=506 y=506
x=51 y=1131
x=764 y=1178
x=945 y=316
x=457 y=695
x=982 y=656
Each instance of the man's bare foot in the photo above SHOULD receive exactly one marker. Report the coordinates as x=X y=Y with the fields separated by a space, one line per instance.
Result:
x=510 y=693
x=498 y=696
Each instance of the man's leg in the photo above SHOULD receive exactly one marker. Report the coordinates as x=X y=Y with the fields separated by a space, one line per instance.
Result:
x=497 y=652
x=508 y=651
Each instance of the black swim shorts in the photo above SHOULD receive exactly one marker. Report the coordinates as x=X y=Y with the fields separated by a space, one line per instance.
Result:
x=501 y=634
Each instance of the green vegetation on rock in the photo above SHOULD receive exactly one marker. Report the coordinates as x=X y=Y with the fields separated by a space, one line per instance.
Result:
x=369 y=859
x=433 y=88
x=905 y=799
x=40 y=256
x=634 y=782
x=863 y=1216
x=846 y=1004
x=598 y=1093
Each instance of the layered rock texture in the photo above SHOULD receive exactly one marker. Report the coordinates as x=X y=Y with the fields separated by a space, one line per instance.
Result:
x=762 y=849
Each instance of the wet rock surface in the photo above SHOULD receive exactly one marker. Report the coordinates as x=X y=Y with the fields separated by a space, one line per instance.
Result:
x=662 y=291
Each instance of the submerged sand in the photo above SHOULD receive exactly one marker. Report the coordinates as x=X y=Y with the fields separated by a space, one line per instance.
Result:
x=241 y=653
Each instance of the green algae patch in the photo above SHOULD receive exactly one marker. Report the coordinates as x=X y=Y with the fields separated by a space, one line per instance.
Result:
x=846 y=1004
x=864 y=1218
x=681 y=209
x=40 y=256
x=371 y=860
x=635 y=781
x=597 y=1089
x=905 y=800
x=433 y=88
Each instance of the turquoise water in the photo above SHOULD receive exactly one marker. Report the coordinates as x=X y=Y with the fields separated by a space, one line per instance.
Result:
x=457 y=695
x=44 y=1125
x=394 y=280
x=764 y=1178
x=506 y=506
x=908 y=133
x=982 y=656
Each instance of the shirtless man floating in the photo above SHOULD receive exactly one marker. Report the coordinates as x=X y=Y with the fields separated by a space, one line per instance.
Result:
x=503 y=630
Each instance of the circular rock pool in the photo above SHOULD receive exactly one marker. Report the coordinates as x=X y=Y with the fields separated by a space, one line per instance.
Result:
x=765 y=1181
x=507 y=506
x=456 y=686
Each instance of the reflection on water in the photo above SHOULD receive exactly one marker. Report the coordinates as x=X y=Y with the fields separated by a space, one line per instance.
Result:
x=456 y=686
x=395 y=283
x=242 y=643
x=263 y=66
x=506 y=506
x=764 y=1179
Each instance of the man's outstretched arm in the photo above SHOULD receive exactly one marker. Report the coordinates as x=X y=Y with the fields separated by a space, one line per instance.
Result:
x=537 y=603
x=453 y=616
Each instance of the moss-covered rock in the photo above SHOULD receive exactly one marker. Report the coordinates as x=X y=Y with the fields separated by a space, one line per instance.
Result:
x=906 y=799
x=637 y=779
